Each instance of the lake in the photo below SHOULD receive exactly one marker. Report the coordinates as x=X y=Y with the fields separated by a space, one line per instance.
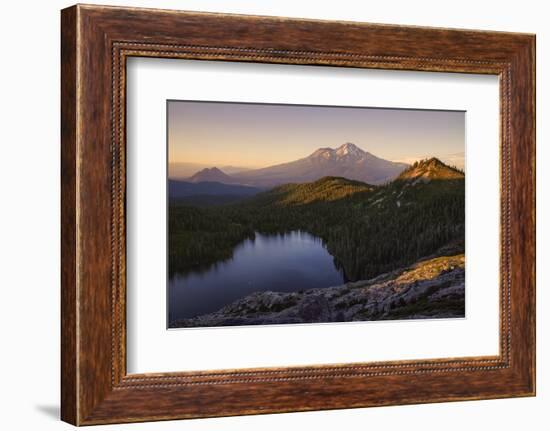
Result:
x=282 y=263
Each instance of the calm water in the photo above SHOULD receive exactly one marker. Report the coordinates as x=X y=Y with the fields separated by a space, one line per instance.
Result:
x=283 y=263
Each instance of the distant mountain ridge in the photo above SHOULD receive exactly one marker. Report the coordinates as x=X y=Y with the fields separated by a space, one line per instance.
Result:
x=347 y=161
x=184 y=170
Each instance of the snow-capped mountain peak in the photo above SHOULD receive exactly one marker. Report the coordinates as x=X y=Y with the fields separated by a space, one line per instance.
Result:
x=349 y=149
x=325 y=153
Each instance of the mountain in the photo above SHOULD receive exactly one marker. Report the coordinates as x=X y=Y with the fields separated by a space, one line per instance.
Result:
x=183 y=170
x=212 y=175
x=347 y=161
x=431 y=169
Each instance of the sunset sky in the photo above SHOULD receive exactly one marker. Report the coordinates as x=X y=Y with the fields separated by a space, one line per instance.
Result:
x=259 y=135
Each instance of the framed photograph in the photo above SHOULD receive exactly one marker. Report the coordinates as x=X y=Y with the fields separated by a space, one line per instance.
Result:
x=264 y=215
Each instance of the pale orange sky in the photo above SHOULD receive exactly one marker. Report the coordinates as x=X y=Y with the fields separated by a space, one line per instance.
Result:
x=258 y=135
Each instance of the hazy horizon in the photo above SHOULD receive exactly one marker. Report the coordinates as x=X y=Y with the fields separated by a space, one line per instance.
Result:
x=248 y=135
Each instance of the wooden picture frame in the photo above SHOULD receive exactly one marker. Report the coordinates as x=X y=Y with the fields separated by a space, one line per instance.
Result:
x=95 y=43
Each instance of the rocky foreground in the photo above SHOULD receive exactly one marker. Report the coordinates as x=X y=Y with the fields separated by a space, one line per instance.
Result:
x=431 y=288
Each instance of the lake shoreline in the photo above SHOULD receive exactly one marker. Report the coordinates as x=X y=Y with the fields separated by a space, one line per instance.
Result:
x=286 y=262
x=431 y=288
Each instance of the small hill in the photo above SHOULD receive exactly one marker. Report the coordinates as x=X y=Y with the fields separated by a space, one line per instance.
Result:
x=326 y=189
x=431 y=169
x=212 y=175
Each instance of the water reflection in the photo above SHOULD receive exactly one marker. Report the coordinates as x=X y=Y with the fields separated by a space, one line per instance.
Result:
x=286 y=262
